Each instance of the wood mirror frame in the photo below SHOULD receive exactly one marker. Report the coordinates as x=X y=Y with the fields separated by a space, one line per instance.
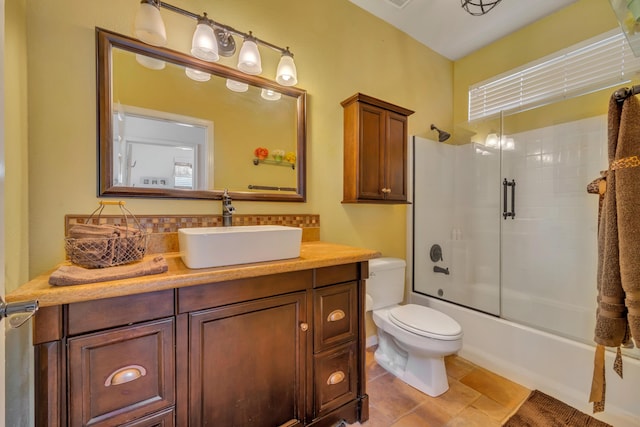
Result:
x=105 y=42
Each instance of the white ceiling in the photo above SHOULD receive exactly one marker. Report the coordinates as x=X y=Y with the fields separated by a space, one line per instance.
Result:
x=445 y=27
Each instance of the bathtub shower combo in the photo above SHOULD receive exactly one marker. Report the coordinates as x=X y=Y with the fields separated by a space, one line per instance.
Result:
x=504 y=242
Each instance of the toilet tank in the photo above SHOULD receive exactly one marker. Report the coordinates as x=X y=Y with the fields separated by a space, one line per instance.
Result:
x=385 y=285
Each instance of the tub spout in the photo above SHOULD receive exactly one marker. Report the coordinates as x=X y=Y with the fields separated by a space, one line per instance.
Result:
x=437 y=269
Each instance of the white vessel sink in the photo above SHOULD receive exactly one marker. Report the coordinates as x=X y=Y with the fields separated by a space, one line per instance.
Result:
x=205 y=247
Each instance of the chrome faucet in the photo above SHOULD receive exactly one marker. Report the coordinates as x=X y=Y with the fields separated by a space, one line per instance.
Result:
x=227 y=209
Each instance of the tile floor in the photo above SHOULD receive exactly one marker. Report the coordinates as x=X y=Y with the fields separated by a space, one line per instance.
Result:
x=476 y=397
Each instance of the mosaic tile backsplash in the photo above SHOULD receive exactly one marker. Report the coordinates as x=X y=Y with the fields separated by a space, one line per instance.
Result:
x=163 y=229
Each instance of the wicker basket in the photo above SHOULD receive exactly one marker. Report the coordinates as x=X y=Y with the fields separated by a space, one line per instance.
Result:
x=103 y=245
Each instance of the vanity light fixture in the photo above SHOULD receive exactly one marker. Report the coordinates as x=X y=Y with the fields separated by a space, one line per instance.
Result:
x=270 y=95
x=237 y=86
x=197 y=75
x=249 y=60
x=287 y=74
x=492 y=140
x=149 y=62
x=149 y=26
x=211 y=40
x=204 y=44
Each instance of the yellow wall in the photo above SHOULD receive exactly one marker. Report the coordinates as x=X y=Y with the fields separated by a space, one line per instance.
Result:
x=339 y=50
x=581 y=20
x=18 y=375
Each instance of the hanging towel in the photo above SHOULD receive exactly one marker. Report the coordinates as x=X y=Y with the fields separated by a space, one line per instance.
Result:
x=618 y=276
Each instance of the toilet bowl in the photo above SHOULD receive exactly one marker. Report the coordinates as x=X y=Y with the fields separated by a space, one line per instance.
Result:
x=412 y=339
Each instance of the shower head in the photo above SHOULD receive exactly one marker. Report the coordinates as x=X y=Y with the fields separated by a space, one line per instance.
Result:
x=442 y=135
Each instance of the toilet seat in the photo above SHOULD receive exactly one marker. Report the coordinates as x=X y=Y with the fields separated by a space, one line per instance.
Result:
x=426 y=322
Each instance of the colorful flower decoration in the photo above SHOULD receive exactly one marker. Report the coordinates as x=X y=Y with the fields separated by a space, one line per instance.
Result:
x=290 y=157
x=278 y=155
x=261 y=153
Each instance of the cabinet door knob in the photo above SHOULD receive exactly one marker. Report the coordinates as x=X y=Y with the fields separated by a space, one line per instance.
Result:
x=335 y=315
x=304 y=326
x=336 y=378
x=386 y=190
x=125 y=375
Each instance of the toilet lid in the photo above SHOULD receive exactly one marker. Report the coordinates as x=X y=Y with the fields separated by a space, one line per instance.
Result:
x=426 y=322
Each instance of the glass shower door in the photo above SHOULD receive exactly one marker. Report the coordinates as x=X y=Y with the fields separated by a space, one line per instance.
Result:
x=548 y=245
x=456 y=232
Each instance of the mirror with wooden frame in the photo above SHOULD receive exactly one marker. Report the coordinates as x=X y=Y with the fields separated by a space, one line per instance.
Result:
x=171 y=125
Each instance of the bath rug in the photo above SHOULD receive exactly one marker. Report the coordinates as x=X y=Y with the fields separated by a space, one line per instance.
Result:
x=541 y=410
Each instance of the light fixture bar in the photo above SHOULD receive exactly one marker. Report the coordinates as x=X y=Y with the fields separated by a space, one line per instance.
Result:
x=226 y=28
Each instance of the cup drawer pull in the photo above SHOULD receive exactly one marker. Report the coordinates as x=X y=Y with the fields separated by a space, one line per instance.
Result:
x=125 y=375
x=335 y=315
x=336 y=378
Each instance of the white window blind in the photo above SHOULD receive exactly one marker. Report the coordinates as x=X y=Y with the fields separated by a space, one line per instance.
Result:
x=597 y=63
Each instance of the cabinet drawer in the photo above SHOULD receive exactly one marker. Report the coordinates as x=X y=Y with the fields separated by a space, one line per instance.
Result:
x=336 y=315
x=119 y=311
x=335 y=378
x=122 y=374
x=336 y=274
x=164 y=418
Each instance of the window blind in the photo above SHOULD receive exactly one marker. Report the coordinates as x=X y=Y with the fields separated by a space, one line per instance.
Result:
x=600 y=62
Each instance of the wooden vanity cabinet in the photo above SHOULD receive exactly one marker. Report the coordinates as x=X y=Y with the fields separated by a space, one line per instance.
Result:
x=375 y=151
x=283 y=349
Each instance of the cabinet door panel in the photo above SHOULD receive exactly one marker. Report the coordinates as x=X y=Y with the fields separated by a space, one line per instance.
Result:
x=122 y=374
x=247 y=363
x=396 y=157
x=371 y=152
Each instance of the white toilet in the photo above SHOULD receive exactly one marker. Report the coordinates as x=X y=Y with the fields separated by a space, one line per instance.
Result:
x=412 y=339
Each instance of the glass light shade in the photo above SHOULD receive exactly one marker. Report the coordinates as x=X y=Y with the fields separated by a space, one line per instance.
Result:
x=237 y=86
x=492 y=141
x=197 y=75
x=270 y=94
x=151 y=63
x=149 y=26
x=204 y=44
x=249 y=58
x=286 y=74
x=508 y=144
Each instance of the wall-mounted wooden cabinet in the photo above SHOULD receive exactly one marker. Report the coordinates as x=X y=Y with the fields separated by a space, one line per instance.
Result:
x=375 y=151
x=283 y=349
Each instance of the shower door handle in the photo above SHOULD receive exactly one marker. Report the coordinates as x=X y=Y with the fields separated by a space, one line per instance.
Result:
x=505 y=185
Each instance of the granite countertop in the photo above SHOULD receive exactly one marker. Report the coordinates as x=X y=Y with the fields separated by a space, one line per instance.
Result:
x=312 y=255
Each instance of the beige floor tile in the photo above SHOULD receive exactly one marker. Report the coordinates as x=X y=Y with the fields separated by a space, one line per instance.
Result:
x=392 y=397
x=472 y=417
x=377 y=418
x=454 y=400
x=500 y=389
x=457 y=367
x=432 y=415
x=492 y=408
